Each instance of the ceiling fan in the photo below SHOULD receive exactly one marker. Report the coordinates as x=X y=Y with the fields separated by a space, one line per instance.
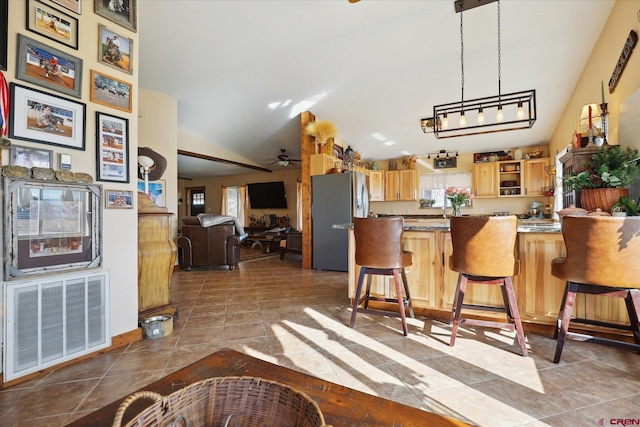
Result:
x=283 y=159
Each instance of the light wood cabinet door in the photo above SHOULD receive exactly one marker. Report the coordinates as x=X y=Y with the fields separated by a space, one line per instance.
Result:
x=424 y=274
x=400 y=185
x=540 y=293
x=376 y=186
x=535 y=176
x=320 y=164
x=392 y=185
x=485 y=179
x=407 y=185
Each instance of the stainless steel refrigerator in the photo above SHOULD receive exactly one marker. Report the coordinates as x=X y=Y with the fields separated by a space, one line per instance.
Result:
x=335 y=199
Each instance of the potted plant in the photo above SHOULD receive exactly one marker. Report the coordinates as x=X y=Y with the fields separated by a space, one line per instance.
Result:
x=625 y=207
x=606 y=178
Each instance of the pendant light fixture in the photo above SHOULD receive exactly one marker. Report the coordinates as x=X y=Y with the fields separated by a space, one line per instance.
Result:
x=498 y=113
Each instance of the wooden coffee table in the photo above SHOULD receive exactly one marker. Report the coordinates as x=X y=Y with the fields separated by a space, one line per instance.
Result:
x=341 y=406
x=265 y=241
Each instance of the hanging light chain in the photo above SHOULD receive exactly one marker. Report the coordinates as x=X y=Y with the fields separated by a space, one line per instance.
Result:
x=461 y=56
x=499 y=56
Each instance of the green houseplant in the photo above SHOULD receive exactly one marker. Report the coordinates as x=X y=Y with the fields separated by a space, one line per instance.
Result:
x=606 y=178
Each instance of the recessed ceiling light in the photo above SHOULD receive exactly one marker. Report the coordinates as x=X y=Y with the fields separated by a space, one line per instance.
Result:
x=379 y=137
x=389 y=143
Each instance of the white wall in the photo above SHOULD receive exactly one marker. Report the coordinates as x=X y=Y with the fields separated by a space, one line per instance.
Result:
x=120 y=227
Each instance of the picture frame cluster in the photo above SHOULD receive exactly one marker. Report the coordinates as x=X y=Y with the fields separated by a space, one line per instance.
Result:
x=50 y=110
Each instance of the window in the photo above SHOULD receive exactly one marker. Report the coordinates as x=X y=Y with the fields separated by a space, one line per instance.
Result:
x=433 y=186
x=198 y=199
x=233 y=202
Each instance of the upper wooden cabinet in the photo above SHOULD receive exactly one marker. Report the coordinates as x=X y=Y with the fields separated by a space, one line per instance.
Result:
x=376 y=186
x=400 y=185
x=536 y=177
x=513 y=178
x=485 y=179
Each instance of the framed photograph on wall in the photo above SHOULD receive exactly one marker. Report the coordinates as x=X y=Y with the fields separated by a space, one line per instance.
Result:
x=112 y=92
x=112 y=148
x=64 y=161
x=72 y=5
x=122 y=12
x=30 y=157
x=49 y=67
x=4 y=33
x=115 y=50
x=52 y=23
x=156 y=191
x=118 y=199
x=42 y=117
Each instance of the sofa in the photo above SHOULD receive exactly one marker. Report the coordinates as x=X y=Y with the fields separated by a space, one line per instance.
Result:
x=208 y=241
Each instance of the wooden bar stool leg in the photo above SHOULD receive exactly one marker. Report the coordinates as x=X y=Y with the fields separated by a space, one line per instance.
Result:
x=403 y=315
x=512 y=307
x=461 y=289
x=563 y=322
x=367 y=294
x=407 y=293
x=356 y=298
x=561 y=312
x=455 y=300
x=633 y=307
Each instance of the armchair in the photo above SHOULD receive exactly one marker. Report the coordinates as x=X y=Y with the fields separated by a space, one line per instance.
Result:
x=292 y=244
x=209 y=241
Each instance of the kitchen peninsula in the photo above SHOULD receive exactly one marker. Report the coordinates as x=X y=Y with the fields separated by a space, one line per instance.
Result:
x=433 y=284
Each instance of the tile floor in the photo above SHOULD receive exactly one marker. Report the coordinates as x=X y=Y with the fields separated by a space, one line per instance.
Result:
x=297 y=318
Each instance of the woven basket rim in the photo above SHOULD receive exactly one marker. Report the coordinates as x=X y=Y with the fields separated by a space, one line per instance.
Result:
x=164 y=400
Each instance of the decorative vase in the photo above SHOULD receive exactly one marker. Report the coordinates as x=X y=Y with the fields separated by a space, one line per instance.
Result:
x=456 y=210
x=412 y=165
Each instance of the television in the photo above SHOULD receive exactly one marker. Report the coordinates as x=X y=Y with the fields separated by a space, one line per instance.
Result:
x=267 y=195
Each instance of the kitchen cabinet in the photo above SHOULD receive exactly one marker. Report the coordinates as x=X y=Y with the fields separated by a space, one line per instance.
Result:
x=485 y=179
x=400 y=185
x=536 y=177
x=376 y=186
x=510 y=178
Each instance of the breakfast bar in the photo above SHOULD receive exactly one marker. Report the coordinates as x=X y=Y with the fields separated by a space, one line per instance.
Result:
x=432 y=283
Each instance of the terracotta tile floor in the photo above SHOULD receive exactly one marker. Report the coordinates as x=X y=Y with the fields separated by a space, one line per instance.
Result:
x=297 y=318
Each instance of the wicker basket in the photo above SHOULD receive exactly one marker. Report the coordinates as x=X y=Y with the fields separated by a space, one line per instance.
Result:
x=227 y=402
x=603 y=198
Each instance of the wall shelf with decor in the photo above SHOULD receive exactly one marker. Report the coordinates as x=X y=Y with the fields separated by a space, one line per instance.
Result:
x=322 y=164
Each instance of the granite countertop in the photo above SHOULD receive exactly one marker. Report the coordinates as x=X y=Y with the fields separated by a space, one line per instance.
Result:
x=524 y=225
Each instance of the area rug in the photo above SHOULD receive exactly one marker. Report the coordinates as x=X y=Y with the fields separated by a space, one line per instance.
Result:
x=248 y=254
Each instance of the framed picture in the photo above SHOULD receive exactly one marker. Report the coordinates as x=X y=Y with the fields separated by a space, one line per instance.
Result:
x=64 y=161
x=445 y=163
x=49 y=67
x=115 y=50
x=42 y=117
x=4 y=33
x=112 y=148
x=73 y=5
x=118 y=199
x=109 y=91
x=122 y=12
x=30 y=157
x=52 y=23
x=156 y=191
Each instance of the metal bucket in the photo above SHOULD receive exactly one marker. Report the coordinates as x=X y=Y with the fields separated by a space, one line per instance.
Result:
x=157 y=326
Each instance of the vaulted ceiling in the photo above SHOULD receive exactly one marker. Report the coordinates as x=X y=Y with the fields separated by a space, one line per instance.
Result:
x=242 y=71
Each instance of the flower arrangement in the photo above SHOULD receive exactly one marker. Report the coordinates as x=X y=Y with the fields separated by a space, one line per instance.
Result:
x=321 y=130
x=458 y=197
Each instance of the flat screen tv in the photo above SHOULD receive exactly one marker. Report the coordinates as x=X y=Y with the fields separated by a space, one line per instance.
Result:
x=267 y=195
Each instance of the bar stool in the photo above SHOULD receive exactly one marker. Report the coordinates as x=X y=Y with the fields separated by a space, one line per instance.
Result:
x=602 y=259
x=379 y=252
x=484 y=251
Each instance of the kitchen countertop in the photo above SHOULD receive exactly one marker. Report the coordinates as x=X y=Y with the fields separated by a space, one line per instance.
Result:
x=524 y=225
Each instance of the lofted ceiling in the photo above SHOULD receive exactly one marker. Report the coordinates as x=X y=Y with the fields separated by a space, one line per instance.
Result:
x=242 y=71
